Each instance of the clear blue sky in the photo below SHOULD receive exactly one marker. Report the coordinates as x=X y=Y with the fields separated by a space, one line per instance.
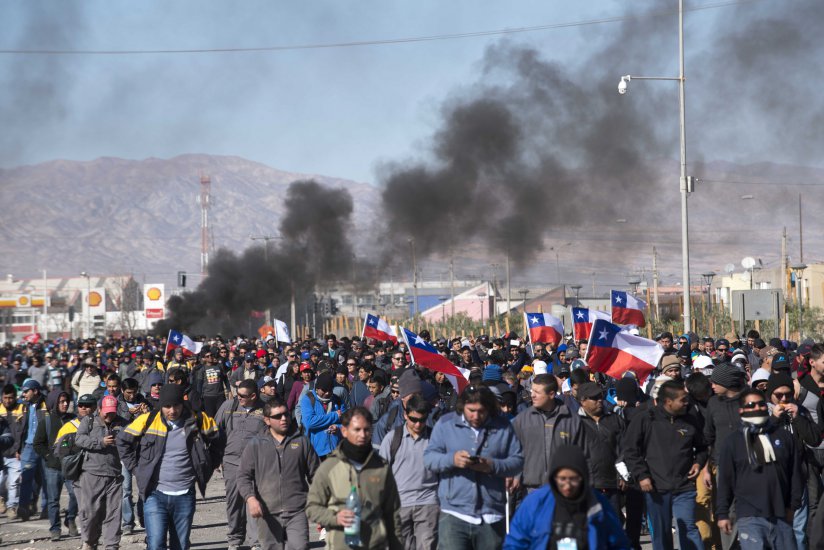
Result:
x=338 y=111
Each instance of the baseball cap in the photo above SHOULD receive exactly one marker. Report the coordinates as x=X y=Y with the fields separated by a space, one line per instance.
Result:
x=30 y=384
x=108 y=405
x=86 y=399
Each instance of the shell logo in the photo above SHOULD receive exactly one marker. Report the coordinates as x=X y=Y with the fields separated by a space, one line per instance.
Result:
x=154 y=294
x=95 y=298
x=23 y=301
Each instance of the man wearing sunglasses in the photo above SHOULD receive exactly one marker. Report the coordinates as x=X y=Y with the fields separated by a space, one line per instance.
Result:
x=403 y=449
x=238 y=421
x=759 y=469
x=273 y=480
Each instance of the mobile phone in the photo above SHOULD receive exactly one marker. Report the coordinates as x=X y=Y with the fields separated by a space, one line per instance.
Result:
x=474 y=459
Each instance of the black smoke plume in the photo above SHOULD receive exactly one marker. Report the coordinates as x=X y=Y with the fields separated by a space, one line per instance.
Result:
x=313 y=250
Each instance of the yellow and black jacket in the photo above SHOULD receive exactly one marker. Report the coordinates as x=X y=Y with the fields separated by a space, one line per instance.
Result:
x=142 y=443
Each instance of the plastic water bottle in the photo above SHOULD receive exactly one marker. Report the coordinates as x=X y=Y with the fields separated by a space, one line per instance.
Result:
x=352 y=533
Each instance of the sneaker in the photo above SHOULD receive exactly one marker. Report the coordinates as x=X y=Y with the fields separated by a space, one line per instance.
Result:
x=87 y=546
x=11 y=513
x=127 y=530
x=233 y=547
x=23 y=514
x=55 y=536
x=72 y=526
x=2 y=505
x=322 y=535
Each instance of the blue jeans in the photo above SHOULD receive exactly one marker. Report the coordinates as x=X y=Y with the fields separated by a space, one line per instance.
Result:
x=169 y=515
x=456 y=534
x=30 y=464
x=13 y=471
x=800 y=521
x=53 y=481
x=661 y=508
x=757 y=533
x=128 y=505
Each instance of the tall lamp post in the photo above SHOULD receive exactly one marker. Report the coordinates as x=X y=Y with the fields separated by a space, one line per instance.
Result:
x=634 y=284
x=443 y=308
x=686 y=183
x=708 y=277
x=577 y=289
x=88 y=304
x=481 y=297
x=799 y=270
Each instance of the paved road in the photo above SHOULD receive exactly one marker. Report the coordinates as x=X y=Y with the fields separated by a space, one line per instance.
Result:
x=208 y=533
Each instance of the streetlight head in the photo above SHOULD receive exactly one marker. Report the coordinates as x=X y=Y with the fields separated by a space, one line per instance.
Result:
x=622 y=86
x=83 y=274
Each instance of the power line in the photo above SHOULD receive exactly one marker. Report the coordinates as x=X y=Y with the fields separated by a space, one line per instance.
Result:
x=386 y=41
x=740 y=182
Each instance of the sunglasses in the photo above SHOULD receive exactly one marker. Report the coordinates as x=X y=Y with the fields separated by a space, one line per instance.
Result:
x=754 y=405
x=277 y=416
x=244 y=395
x=396 y=392
x=84 y=406
x=416 y=419
x=780 y=395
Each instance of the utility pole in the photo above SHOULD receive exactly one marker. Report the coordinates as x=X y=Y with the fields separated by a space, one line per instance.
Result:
x=508 y=287
x=495 y=289
x=800 y=233
x=784 y=289
x=266 y=239
x=414 y=278
x=45 y=306
x=655 y=283
x=452 y=282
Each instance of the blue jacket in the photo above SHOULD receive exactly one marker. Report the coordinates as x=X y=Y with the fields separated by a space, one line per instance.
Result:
x=460 y=489
x=316 y=420
x=532 y=525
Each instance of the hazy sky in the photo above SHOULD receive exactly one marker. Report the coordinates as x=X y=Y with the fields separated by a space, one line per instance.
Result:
x=337 y=111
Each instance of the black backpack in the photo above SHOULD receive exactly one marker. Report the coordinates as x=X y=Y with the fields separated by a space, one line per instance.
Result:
x=397 y=439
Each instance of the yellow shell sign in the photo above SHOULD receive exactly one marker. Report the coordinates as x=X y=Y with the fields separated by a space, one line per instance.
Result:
x=154 y=294
x=95 y=298
x=23 y=301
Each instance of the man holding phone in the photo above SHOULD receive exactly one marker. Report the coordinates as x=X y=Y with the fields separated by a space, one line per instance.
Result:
x=473 y=450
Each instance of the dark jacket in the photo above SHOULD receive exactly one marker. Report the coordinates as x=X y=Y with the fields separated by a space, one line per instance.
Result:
x=14 y=418
x=603 y=445
x=762 y=491
x=123 y=407
x=44 y=442
x=721 y=419
x=141 y=448
x=277 y=474
x=663 y=448
x=540 y=433
x=100 y=460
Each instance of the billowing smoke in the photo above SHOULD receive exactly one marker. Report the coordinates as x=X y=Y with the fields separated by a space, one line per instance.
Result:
x=314 y=250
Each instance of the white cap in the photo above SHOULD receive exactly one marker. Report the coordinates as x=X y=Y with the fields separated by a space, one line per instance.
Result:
x=539 y=367
x=701 y=362
x=758 y=376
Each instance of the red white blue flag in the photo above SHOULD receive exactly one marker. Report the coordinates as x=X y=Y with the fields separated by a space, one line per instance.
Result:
x=582 y=319
x=613 y=351
x=379 y=329
x=627 y=309
x=425 y=354
x=179 y=340
x=544 y=328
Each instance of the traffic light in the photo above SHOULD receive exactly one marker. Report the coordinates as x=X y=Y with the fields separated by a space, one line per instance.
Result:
x=71 y=314
x=334 y=307
x=181 y=279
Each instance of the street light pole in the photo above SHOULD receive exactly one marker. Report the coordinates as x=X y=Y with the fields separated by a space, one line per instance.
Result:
x=708 y=277
x=799 y=270
x=88 y=304
x=577 y=289
x=686 y=183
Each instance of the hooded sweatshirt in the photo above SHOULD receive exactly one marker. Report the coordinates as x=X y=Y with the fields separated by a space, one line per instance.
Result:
x=46 y=433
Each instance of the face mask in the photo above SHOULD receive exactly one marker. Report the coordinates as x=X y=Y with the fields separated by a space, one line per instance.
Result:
x=755 y=416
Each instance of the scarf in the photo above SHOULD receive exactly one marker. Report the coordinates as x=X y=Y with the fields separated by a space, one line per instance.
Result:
x=355 y=453
x=759 y=448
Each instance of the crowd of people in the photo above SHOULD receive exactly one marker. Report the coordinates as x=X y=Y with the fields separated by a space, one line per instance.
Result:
x=721 y=447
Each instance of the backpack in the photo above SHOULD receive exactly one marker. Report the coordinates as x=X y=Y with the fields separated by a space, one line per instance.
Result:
x=397 y=439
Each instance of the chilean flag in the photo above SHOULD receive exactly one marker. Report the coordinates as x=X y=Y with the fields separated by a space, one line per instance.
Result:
x=180 y=340
x=627 y=309
x=377 y=328
x=582 y=319
x=544 y=328
x=424 y=353
x=614 y=352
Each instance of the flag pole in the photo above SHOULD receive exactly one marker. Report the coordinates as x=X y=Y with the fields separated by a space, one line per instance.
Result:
x=166 y=351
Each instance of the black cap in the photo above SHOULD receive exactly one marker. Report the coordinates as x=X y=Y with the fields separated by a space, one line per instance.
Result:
x=590 y=390
x=324 y=382
x=171 y=395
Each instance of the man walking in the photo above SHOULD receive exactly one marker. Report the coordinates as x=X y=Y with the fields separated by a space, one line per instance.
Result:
x=402 y=448
x=170 y=451
x=100 y=481
x=473 y=450
x=355 y=466
x=238 y=421
x=664 y=450
x=273 y=480
x=760 y=469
